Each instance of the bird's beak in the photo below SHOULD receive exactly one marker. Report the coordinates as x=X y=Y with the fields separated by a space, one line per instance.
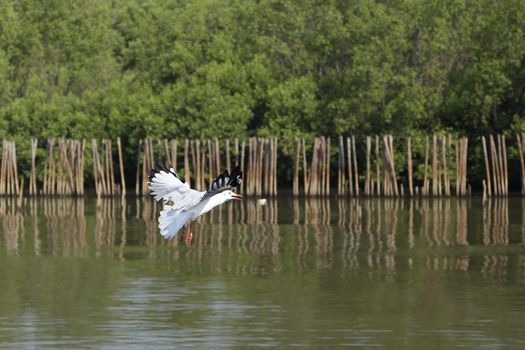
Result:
x=237 y=197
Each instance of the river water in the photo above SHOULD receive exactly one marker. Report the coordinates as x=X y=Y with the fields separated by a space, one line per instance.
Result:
x=392 y=274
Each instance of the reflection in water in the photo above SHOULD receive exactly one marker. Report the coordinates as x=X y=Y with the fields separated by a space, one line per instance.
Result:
x=78 y=272
x=379 y=234
x=12 y=224
x=65 y=225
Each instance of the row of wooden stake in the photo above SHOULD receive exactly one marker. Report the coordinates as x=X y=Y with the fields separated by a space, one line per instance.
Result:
x=63 y=167
x=104 y=170
x=496 y=173
x=380 y=178
x=203 y=160
x=443 y=169
x=316 y=177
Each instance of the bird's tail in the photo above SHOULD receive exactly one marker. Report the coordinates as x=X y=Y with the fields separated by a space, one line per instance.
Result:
x=171 y=221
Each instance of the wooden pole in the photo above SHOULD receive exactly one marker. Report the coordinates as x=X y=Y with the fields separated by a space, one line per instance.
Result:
x=394 y=176
x=367 y=179
x=243 y=185
x=275 y=165
x=137 y=177
x=198 y=181
x=210 y=161
x=378 y=167
x=505 y=168
x=145 y=165
x=522 y=162
x=306 y=175
x=444 y=162
x=228 y=163
x=355 y=167
x=297 y=148
x=32 y=180
x=425 y=178
x=435 y=175
x=187 y=175
x=95 y=167
x=174 y=154
x=341 y=170
x=121 y=167
x=4 y=169
x=409 y=166
x=495 y=172
x=350 y=165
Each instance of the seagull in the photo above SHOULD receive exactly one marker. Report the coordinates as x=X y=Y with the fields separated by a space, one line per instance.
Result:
x=182 y=205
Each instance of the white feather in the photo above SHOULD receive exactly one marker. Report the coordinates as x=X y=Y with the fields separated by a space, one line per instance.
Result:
x=168 y=187
x=181 y=203
x=171 y=220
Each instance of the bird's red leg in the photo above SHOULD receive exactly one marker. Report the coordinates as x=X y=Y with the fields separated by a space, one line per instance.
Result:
x=183 y=233
x=190 y=235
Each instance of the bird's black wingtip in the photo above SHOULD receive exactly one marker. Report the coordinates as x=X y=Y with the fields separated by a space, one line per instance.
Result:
x=236 y=176
x=161 y=165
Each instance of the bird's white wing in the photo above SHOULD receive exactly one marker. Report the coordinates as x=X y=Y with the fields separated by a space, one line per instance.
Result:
x=171 y=220
x=165 y=184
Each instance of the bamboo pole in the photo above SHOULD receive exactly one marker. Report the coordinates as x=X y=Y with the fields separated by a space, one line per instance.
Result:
x=202 y=168
x=121 y=167
x=243 y=185
x=210 y=161
x=322 y=165
x=367 y=179
x=137 y=176
x=194 y=168
x=228 y=163
x=81 y=167
x=495 y=172
x=236 y=152
x=355 y=167
x=261 y=142
x=435 y=175
x=3 y=171
x=198 y=181
x=32 y=180
x=505 y=168
x=167 y=153
x=378 y=167
x=266 y=165
x=465 y=153
x=350 y=165
x=394 y=176
x=275 y=164
x=145 y=165
x=187 y=175
x=499 y=148
x=444 y=162
x=218 y=164
x=410 y=169
x=306 y=175
x=425 y=178
x=341 y=168
x=249 y=182
x=95 y=167
x=111 y=170
x=522 y=161
x=174 y=154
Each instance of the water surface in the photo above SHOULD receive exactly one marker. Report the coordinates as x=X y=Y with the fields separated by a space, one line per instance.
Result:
x=442 y=273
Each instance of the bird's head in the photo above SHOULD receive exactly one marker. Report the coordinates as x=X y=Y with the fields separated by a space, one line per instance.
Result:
x=229 y=195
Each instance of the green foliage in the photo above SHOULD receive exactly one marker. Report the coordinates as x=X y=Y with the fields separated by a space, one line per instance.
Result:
x=199 y=69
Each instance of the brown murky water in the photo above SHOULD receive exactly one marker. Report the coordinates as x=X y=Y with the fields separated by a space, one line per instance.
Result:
x=394 y=274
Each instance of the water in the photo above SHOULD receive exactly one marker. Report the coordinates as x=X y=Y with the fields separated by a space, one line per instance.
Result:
x=393 y=274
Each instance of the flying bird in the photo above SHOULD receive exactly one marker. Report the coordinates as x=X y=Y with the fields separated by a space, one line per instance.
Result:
x=182 y=205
